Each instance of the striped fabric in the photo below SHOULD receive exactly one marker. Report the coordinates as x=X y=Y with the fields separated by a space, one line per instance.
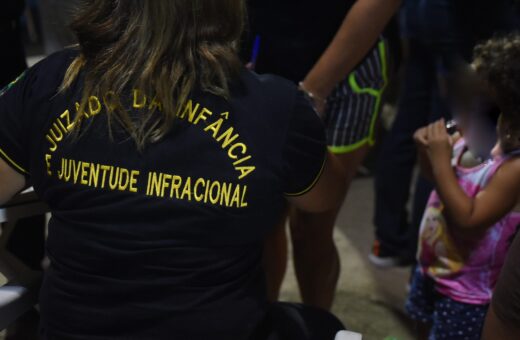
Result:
x=355 y=104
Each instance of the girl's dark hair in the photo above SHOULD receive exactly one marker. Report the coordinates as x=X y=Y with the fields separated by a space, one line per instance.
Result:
x=498 y=62
x=165 y=48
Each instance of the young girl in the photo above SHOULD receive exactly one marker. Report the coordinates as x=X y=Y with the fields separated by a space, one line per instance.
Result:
x=472 y=216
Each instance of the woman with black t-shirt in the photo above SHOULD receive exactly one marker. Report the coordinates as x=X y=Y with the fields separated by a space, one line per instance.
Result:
x=162 y=160
x=342 y=53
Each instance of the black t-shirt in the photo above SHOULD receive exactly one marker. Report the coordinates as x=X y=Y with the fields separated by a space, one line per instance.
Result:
x=295 y=33
x=164 y=243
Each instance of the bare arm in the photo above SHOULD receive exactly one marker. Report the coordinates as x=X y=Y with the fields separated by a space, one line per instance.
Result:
x=498 y=198
x=356 y=36
x=329 y=191
x=11 y=182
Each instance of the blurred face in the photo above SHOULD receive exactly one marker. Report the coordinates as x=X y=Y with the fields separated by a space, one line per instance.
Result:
x=462 y=89
x=480 y=133
x=462 y=117
x=474 y=108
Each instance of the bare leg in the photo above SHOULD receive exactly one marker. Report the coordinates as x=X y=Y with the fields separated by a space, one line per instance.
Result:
x=275 y=259
x=352 y=161
x=316 y=258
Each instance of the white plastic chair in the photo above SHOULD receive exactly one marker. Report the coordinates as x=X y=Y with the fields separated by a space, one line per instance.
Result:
x=20 y=293
x=346 y=335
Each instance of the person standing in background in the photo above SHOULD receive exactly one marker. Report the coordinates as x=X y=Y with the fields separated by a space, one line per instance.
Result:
x=341 y=55
x=13 y=54
x=56 y=16
x=439 y=34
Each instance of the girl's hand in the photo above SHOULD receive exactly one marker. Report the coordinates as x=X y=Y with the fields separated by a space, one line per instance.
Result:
x=421 y=140
x=421 y=137
x=440 y=146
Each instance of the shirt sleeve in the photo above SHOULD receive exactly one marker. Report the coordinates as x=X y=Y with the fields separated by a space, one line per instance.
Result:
x=305 y=149
x=14 y=136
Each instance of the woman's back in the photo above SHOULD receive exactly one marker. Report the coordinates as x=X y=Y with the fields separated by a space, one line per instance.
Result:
x=166 y=240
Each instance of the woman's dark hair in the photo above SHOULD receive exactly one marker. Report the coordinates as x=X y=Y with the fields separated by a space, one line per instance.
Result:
x=164 y=48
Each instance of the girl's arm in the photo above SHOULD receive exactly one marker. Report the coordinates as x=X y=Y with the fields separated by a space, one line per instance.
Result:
x=498 y=198
x=11 y=182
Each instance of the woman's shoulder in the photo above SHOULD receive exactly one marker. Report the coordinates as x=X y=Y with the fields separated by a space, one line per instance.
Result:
x=274 y=102
x=67 y=55
x=269 y=79
x=270 y=86
x=47 y=75
x=268 y=96
x=55 y=62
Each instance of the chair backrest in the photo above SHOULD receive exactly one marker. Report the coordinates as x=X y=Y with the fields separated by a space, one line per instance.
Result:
x=346 y=335
x=20 y=291
x=19 y=285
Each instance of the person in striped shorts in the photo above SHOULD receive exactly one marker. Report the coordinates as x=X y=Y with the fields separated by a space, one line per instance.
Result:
x=340 y=53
